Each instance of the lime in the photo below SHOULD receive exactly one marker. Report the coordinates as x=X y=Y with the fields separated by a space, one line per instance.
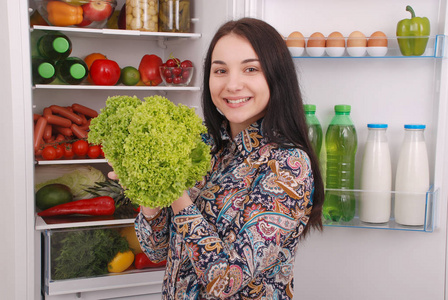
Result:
x=130 y=76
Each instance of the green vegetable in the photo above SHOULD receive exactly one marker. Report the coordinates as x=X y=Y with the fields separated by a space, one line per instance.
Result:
x=53 y=194
x=161 y=152
x=84 y=253
x=415 y=32
x=76 y=177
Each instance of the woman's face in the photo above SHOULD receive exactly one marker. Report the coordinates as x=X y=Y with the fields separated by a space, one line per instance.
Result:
x=238 y=86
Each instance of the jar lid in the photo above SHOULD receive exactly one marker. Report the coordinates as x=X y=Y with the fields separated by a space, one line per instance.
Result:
x=380 y=125
x=414 y=126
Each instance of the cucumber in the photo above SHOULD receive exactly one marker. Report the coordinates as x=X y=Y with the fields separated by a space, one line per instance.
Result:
x=53 y=194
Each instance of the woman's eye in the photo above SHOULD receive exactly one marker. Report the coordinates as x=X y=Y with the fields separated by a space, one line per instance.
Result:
x=219 y=71
x=251 y=69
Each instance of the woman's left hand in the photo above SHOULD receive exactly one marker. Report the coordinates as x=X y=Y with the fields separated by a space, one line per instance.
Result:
x=181 y=203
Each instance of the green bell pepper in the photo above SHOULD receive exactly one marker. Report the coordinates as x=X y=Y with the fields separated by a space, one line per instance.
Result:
x=414 y=33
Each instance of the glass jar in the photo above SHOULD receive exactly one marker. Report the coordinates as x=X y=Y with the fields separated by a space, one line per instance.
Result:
x=174 y=16
x=142 y=15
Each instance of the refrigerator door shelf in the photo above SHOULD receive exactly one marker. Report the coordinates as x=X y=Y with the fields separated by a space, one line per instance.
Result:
x=430 y=200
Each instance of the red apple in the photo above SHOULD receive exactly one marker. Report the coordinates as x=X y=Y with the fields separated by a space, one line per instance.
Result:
x=97 y=10
x=85 y=22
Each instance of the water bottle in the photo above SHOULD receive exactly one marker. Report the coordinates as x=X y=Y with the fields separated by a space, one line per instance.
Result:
x=54 y=45
x=71 y=70
x=412 y=178
x=315 y=134
x=341 y=143
x=43 y=70
x=376 y=177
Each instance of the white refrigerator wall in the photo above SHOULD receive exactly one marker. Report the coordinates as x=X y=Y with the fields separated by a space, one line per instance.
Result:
x=340 y=263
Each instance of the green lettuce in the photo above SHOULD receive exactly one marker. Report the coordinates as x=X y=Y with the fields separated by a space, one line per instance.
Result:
x=157 y=152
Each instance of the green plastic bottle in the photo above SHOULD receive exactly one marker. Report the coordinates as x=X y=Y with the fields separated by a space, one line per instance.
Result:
x=54 y=45
x=314 y=128
x=341 y=144
x=43 y=70
x=71 y=70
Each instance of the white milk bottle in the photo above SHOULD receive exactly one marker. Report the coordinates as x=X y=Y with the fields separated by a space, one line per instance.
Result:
x=412 y=178
x=376 y=177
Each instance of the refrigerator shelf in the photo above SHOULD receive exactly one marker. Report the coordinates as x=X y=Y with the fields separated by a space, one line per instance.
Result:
x=116 y=87
x=434 y=49
x=70 y=161
x=60 y=222
x=430 y=199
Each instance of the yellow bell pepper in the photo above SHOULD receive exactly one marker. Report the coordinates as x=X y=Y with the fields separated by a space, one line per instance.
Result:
x=121 y=262
x=63 y=14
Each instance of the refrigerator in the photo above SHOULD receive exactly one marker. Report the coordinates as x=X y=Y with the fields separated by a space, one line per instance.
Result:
x=347 y=261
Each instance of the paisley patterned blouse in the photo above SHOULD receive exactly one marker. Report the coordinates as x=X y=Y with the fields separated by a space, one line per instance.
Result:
x=239 y=238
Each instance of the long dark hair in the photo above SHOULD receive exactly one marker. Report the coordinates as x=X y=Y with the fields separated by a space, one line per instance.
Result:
x=284 y=122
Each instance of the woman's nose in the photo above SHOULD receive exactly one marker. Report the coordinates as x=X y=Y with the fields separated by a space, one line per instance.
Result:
x=234 y=82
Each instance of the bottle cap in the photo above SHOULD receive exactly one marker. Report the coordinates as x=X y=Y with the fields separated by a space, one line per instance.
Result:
x=309 y=107
x=77 y=71
x=379 y=126
x=61 y=44
x=342 y=108
x=414 y=126
x=46 y=70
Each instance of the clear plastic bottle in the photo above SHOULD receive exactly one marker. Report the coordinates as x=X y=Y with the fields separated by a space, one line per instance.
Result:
x=43 y=71
x=376 y=177
x=412 y=178
x=314 y=127
x=54 y=45
x=341 y=143
x=71 y=70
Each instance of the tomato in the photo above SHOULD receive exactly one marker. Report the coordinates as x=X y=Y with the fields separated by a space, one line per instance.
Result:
x=149 y=70
x=49 y=153
x=94 y=151
x=105 y=72
x=80 y=147
x=68 y=151
x=89 y=59
x=186 y=64
x=59 y=151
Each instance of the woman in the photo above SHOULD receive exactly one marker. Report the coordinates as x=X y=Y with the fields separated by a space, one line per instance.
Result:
x=235 y=234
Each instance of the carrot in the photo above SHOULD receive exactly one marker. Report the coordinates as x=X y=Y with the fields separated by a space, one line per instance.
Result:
x=39 y=132
x=66 y=113
x=63 y=130
x=78 y=132
x=84 y=110
x=47 y=112
x=59 y=121
x=47 y=132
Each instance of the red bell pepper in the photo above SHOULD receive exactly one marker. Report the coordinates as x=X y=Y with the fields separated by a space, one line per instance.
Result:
x=142 y=261
x=99 y=206
x=149 y=69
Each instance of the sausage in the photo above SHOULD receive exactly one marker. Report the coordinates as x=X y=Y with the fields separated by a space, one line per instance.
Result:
x=85 y=126
x=39 y=129
x=59 y=121
x=63 y=130
x=66 y=113
x=47 y=132
x=47 y=112
x=78 y=132
x=36 y=117
x=84 y=110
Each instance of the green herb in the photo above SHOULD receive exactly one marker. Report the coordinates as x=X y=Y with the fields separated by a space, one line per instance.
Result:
x=85 y=253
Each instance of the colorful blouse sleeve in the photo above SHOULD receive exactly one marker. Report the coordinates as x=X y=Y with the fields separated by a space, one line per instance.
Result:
x=263 y=222
x=153 y=235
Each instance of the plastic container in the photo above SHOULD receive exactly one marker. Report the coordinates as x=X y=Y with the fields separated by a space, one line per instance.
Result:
x=376 y=177
x=142 y=15
x=71 y=70
x=43 y=71
x=341 y=143
x=315 y=133
x=76 y=13
x=412 y=178
x=174 y=16
x=54 y=46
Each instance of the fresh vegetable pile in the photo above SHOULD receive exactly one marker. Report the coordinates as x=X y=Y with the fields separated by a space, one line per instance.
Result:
x=154 y=146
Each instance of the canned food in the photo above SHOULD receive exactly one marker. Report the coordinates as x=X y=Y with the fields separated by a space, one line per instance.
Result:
x=142 y=15
x=174 y=16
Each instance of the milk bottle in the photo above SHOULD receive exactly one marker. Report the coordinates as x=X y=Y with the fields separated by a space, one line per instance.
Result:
x=376 y=177
x=412 y=178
